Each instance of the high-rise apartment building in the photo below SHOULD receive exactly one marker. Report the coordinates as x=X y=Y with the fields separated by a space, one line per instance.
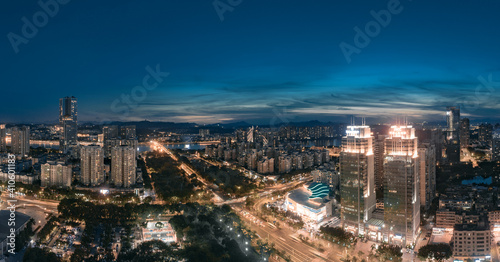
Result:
x=453 y=134
x=68 y=122
x=123 y=166
x=20 y=140
x=495 y=148
x=3 y=139
x=357 y=179
x=92 y=165
x=114 y=135
x=401 y=187
x=464 y=133
x=128 y=132
x=486 y=134
x=56 y=174
x=379 y=147
x=427 y=169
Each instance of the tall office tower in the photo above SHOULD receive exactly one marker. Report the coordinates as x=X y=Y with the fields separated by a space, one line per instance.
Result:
x=486 y=134
x=123 y=166
x=401 y=187
x=378 y=148
x=56 y=174
x=3 y=139
x=464 y=133
x=92 y=165
x=68 y=122
x=20 y=140
x=427 y=169
x=453 y=134
x=357 y=178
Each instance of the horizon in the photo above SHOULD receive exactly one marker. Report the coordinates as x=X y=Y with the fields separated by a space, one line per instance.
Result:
x=203 y=65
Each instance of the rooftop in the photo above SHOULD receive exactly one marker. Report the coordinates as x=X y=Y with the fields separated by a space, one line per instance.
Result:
x=311 y=196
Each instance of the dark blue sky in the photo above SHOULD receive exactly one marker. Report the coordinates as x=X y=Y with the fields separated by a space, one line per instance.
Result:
x=266 y=60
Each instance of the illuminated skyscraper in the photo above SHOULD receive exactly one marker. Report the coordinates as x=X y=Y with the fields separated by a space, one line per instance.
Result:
x=464 y=133
x=357 y=179
x=92 y=165
x=401 y=187
x=123 y=166
x=68 y=121
x=20 y=140
x=453 y=134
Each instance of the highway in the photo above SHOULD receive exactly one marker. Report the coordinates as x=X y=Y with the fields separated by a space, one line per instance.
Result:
x=188 y=170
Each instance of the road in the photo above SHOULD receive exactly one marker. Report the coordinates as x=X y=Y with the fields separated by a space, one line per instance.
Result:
x=285 y=240
x=188 y=170
x=47 y=205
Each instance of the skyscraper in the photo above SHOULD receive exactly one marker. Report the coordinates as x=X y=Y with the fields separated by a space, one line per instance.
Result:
x=486 y=134
x=453 y=134
x=3 y=139
x=20 y=140
x=427 y=169
x=92 y=165
x=357 y=180
x=379 y=147
x=401 y=187
x=464 y=133
x=68 y=122
x=123 y=166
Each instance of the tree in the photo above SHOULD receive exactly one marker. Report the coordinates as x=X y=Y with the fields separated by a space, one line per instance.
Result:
x=387 y=252
x=39 y=255
x=339 y=236
x=439 y=252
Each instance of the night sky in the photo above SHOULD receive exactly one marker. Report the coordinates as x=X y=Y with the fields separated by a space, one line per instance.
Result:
x=265 y=61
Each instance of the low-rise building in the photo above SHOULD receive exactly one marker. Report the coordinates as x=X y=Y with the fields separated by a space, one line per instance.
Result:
x=310 y=202
x=472 y=241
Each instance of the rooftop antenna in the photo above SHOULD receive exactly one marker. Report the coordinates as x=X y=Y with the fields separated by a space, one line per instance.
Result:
x=363 y=121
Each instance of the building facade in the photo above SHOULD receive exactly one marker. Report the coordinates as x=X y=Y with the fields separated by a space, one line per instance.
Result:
x=123 y=166
x=92 y=165
x=402 y=186
x=453 y=134
x=471 y=241
x=56 y=174
x=68 y=121
x=357 y=178
x=427 y=169
x=20 y=140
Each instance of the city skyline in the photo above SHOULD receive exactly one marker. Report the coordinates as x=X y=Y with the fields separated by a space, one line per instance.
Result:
x=253 y=64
